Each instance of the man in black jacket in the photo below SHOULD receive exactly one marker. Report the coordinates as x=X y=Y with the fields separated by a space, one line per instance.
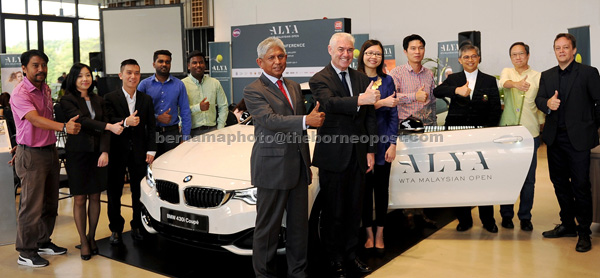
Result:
x=347 y=99
x=134 y=149
x=569 y=94
x=474 y=101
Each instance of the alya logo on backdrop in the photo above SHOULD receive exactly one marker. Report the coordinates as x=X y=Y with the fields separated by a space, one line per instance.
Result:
x=439 y=162
x=284 y=30
x=11 y=60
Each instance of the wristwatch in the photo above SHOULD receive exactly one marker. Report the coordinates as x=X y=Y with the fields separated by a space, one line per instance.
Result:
x=65 y=127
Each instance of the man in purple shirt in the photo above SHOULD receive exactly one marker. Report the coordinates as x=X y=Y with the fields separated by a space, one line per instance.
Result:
x=36 y=161
x=170 y=102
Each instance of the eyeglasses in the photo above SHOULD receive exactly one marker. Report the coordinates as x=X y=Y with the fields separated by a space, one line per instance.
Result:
x=466 y=57
x=376 y=54
x=520 y=54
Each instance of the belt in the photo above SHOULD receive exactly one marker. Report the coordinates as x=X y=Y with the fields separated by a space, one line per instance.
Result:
x=204 y=127
x=167 y=128
x=49 y=147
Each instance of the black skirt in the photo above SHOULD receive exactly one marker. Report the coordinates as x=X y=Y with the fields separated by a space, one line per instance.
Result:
x=85 y=177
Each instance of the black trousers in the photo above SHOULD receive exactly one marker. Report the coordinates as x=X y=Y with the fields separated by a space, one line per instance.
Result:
x=342 y=207
x=486 y=214
x=114 y=190
x=166 y=141
x=570 y=173
x=377 y=187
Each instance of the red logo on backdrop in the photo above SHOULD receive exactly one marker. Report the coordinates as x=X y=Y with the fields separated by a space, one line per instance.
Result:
x=338 y=25
x=236 y=33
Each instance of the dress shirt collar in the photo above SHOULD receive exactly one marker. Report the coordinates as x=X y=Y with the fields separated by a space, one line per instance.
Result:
x=156 y=79
x=31 y=88
x=196 y=81
x=568 y=69
x=410 y=68
x=472 y=75
x=127 y=97
x=273 y=79
x=338 y=70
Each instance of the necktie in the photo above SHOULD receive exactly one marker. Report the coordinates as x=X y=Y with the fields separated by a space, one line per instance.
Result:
x=280 y=85
x=343 y=73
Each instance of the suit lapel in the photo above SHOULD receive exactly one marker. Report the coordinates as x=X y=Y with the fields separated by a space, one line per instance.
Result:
x=554 y=80
x=296 y=97
x=83 y=107
x=96 y=105
x=123 y=103
x=572 y=77
x=338 y=82
x=274 y=90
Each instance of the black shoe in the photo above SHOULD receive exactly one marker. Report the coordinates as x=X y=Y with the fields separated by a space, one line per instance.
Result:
x=461 y=227
x=33 y=260
x=507 y=223
x=560 y=231
x=50 y=248
x=359 y=266
x=492 y=228
x=116 y=239
x=136 y=234
x=584 y=243
x=379 y=251
x=86 y=257
x=337 y=269
x=526 y=225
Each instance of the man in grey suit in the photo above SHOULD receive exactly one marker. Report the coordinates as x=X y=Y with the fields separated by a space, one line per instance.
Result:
x=280 y=165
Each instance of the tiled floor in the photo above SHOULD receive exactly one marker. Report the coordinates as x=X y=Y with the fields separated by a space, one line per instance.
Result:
x=447 y=253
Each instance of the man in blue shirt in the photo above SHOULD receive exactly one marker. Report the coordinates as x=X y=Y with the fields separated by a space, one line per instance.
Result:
x=170 y=102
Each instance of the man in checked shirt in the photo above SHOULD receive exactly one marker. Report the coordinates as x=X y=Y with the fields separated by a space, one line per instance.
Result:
x=414 y=88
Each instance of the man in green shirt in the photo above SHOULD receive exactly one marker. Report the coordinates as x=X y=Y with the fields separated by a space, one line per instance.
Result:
x=521 y=85
x=205 y=95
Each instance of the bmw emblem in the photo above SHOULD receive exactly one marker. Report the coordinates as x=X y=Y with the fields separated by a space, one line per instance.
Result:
x=187 y=179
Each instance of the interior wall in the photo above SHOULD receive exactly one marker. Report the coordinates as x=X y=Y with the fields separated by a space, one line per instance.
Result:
x=536 y=22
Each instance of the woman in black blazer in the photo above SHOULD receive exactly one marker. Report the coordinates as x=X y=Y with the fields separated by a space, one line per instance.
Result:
x=87 y=152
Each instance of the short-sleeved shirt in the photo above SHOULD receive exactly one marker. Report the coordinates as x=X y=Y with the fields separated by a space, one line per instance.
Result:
x=24 y=99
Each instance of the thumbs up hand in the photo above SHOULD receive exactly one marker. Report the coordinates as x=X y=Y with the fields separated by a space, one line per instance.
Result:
x=133 y=119
x=464 y=90
x=554 y=102
x=523 y=85
x=315 y=118
x=72 y=126
x=165 y=117
x=421 y=95
x=204 y=105
x=369 y=97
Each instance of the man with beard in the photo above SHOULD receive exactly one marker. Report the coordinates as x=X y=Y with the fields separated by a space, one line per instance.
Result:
x=36 y=161
x=170 y=102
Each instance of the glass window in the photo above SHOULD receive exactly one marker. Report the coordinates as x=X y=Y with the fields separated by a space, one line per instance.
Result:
x=16 y=36
x=89 y=11
x=33 y=7
x=33 y=35
x=13 y=7
x=59 y=8
x=89 y=39
x=58 y=45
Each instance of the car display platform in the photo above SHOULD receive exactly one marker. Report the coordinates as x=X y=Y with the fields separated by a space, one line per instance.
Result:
x=169 y=258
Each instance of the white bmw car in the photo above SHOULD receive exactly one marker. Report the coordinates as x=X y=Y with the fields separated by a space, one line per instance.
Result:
x=200 y=192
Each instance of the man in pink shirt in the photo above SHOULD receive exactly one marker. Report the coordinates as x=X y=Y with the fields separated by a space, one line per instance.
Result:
x=36 y=161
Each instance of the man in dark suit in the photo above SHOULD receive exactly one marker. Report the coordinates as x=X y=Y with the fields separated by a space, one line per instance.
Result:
x=134 y=149
x=570 y=96
x=280 y=165
x=342 y=153
x=474 y=101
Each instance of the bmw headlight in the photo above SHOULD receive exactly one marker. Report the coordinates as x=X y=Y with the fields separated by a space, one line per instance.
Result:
x=150 y=177
x=246 y=195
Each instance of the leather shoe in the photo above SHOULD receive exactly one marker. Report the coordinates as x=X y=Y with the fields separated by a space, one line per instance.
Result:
x=507 y=223
x=116 y=238
x=584 y=243
x=337 y=269
x=560 y=231
x=136 y=234
x=461 y=227
x=526 y=225
x=360 y=267
x=492 y=228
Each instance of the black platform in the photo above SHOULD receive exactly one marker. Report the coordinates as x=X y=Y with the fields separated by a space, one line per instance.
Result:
x=174 y=259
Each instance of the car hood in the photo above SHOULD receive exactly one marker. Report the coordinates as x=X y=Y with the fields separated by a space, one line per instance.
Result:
x=223 y=153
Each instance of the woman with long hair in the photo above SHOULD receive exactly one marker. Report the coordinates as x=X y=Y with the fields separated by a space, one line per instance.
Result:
x=370 y=62
x=86 y=153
